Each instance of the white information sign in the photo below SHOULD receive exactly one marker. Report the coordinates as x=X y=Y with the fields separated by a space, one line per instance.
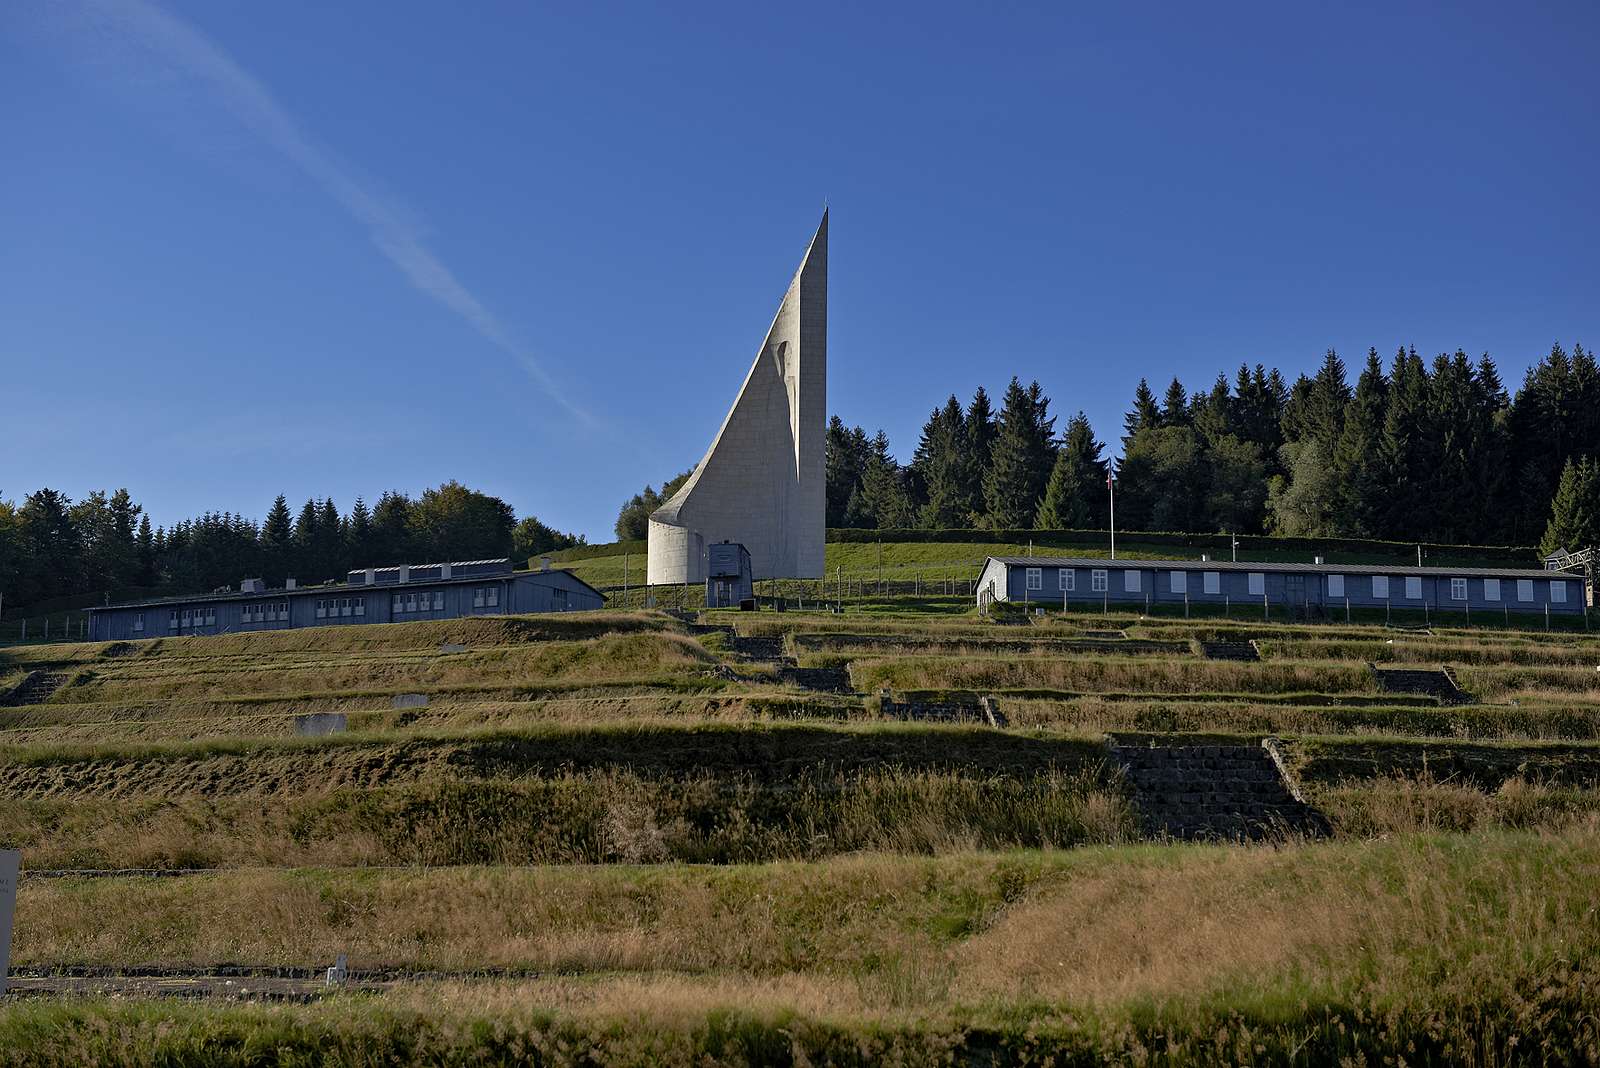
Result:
x=10 y=869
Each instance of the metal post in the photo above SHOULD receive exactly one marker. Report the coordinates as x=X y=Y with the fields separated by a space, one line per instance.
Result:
x=1347 y=610
x=1111 y=489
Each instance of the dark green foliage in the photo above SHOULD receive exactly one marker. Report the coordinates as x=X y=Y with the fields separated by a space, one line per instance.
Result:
x=1075 y=496
x=1020 y=459
x=277 y=542
x=846 y=451
x=1161 y=482
x=945 y=469
x=1357 y=462
x=882 y=499
x=1575 y=512
x=530 y=538
x=633 y=522
x=1144 y=414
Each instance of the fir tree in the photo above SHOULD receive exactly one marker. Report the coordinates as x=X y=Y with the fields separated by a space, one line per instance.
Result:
x=1175 y=405
x=147 y=553
x=1213 y=412
x=845 y=456
x=277 y=542
x=1357 y=462
x=1402 y=448
x=392 y=530
x=943 y=465
x=1021 y=459
x=981 y=434
x=1575 y=512
x=1077 y=482
x=306 y=560
x=358 y=535
x=882 y=501
x=1143 y=414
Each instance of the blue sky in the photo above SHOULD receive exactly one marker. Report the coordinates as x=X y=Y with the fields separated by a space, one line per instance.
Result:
x=330 y=249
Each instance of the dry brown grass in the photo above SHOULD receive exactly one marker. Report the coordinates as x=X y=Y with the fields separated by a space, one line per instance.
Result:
x=1406 y=805
x=610 y=658
x=1093 y=927
x=1109 y=674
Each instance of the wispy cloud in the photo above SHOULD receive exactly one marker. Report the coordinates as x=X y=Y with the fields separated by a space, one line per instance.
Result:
x=182 y=50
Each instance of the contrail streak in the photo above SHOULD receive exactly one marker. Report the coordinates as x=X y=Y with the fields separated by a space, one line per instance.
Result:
x=188 y=51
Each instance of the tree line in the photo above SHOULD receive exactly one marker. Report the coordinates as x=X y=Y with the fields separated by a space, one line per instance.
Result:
x=52 y=546
x=1414 y=450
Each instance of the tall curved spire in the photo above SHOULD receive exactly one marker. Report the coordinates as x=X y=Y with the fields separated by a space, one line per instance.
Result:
x=761 y=483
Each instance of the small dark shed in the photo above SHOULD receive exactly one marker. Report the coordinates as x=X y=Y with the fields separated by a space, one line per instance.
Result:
x=729 y=582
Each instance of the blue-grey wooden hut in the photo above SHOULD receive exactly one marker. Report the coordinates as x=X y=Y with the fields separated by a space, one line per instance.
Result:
x=729 y=578
x=1057 y=581
x=372 y=595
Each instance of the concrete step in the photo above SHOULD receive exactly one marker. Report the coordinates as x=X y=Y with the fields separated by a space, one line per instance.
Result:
x=1229 y=651
x=1414 y=680
x=35 y=689
x=1232 y=792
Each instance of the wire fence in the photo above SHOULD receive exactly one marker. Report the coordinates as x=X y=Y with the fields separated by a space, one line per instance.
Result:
x=838 y=591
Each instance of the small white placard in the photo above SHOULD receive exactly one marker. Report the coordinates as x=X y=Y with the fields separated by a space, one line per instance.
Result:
x=10 y=868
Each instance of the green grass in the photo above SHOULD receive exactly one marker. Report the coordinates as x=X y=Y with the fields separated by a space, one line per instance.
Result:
x=1427 y=948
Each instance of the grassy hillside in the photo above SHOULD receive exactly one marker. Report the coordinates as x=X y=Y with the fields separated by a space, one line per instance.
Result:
x=622 y=836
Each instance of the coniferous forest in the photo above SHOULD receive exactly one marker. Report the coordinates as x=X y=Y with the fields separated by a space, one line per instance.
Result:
x=1408 y=450
x=53 y=547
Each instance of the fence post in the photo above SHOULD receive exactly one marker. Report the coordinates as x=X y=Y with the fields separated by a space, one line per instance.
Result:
x=1347 y=611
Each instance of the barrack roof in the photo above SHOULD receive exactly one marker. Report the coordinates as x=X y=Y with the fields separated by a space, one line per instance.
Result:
x=1278 y=567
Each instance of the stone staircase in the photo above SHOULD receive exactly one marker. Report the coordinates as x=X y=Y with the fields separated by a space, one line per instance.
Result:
x=1209 y=791
x=1419 y=681
x=1230 y=651
x=984 y=710
x=35 y=688
x=771 y=651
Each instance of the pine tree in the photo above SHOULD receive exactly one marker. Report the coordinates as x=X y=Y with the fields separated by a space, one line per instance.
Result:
x=1144 y=413
x=942 y=461
x=1175 y=405
x=392 y=530
x=1326 y=401
x=1575 y=512
x=1357 y=463
x=981 y=434
x=1077 y=482
x=147 y=553
x=844 y=459
x=1401 y=449
x=1213 y=412
x=305 y=560
x=882 y=498
x=277 y=543
x=331 y=551
x=1021 y=459
x=359 y=534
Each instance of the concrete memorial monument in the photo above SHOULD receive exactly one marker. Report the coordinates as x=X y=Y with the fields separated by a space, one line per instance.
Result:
x=761 y=482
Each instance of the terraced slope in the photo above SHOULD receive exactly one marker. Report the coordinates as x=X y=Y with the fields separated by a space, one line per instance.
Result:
x=621 y=826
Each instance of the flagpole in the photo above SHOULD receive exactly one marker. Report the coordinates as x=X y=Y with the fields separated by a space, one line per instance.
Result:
x=1111 y=489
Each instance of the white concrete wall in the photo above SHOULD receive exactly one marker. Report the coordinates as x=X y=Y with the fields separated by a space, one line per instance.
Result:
x=762 y=482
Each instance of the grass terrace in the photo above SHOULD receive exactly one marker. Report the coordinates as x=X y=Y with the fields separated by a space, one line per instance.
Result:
x=625 y=837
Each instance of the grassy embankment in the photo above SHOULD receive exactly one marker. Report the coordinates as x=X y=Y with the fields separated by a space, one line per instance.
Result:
x=614 y=746
x=1474 y=950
